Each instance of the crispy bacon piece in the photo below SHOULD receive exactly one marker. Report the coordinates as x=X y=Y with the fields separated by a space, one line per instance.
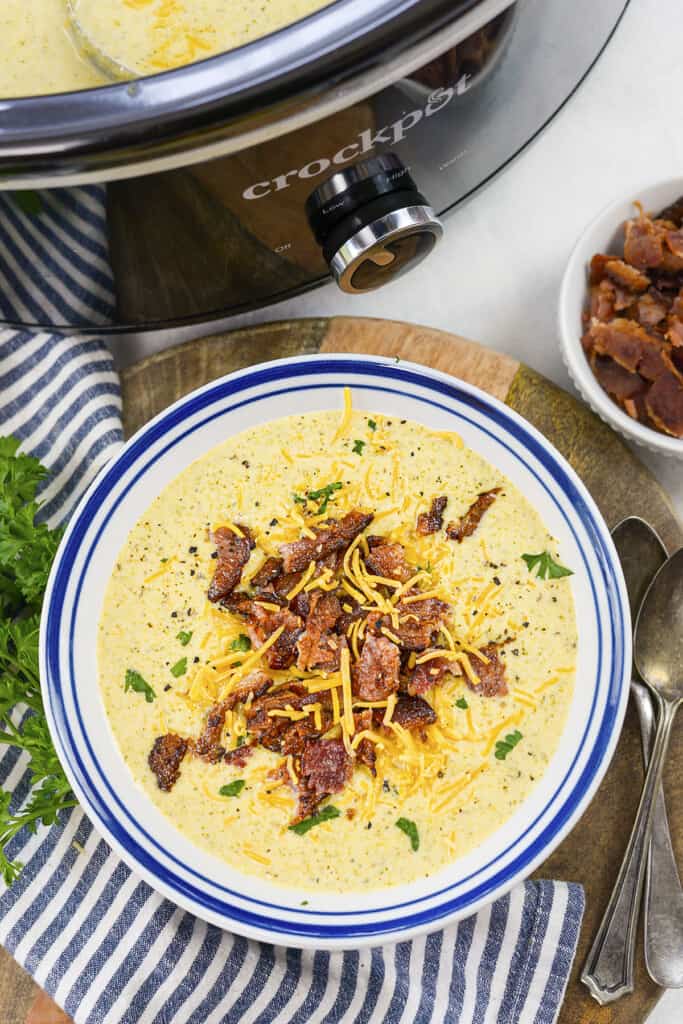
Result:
x=238 y=603
x=283 y=652
x=431 y=673
x=432 y=521
x=626 y=276
x=346 y=619
x=269 y=571
x=282 y=586
x=267 y=730
x=239 y=756
x=282 y=734
x=414 y=713
x=263 y=622
x=295 y=735
x=325 y=769
x=165 y=759
x=675 y=332
x=631 y=346
x=388 y=559
x=377 y=671
x=208 y=746
x=675 y=325
x=492 y=682
x=603 y=301
x=254 y=685
x=330 y=536
x=673 y=251
x=466 y=526
x=233 y=555
x=418 y=622
x=664 y=403
x=643 y=245
x=316 y=646
x=596 y=270
x=617 y=381
x=652 y=308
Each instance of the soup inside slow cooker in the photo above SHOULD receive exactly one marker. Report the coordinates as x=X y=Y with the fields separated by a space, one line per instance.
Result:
x=40 y=53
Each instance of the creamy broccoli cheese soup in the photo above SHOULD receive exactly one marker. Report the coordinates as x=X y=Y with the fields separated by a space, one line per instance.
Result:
x=338 y=633
x=39 y=54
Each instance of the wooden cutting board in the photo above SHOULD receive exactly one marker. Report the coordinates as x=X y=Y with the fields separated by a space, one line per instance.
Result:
x=618 y=481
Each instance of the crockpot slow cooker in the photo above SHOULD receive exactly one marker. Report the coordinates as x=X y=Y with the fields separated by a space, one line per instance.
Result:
x=333 y=146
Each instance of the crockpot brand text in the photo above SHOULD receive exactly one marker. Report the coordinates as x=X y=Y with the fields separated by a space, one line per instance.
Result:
x=367 y=140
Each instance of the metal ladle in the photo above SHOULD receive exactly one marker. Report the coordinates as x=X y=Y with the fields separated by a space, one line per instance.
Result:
x=92 y=51
x=659 y=660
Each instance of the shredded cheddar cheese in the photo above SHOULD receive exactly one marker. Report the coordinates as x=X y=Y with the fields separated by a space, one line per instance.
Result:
x=162 y=571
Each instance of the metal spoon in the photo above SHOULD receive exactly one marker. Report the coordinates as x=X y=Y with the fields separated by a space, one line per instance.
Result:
x=92 y=52
x=642 y=553
x=659 y=659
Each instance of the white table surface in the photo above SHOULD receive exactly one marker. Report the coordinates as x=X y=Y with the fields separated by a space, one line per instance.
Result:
x=496 y=275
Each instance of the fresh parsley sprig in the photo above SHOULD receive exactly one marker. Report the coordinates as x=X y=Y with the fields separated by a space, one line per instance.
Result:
x=241 y=643
x=27 y=550
x=322 y=496
x=138 y=684
x=503 y=747
x=546 y=566
x=180 y=668
x=232 y=788
x=328 y=813
x=410 y=829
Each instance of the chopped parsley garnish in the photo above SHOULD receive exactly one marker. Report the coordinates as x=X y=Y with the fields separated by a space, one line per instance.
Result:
x=372 y=425
x=134 y=681
x=546 y=567
x=326 y=814
x=184 y=637
x=322 y=496
x=240 y=741
x=180 y=668
x=410 y=829
x=233 y=788
x=241 y=643
x=503 y=747
x=358 y=447
x=461 y=703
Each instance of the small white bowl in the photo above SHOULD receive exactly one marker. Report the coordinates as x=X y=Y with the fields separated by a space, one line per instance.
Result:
x=606 y=234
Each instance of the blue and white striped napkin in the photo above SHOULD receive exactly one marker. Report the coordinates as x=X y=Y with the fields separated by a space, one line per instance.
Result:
x=107 y=947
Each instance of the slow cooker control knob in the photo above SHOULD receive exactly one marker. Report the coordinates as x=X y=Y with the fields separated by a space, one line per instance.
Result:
x=372 y=223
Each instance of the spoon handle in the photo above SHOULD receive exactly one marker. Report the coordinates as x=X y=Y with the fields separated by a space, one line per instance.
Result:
x=663 y=908
x=608 y=972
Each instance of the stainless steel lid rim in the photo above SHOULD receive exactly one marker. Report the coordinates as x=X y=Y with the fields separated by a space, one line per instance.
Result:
x=232 y=101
